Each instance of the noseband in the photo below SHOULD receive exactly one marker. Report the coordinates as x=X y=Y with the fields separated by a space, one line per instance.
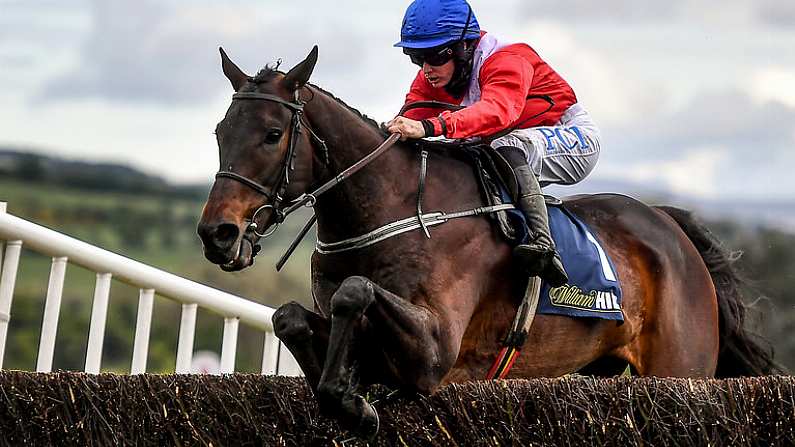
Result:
x=275 y=195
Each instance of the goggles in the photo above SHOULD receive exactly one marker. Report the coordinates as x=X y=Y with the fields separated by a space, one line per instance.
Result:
x=433 y=56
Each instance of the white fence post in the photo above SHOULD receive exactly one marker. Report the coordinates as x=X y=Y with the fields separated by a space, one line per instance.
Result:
x=234 y=309
x=187 y=330
x=139 y=275
x=7 y=283
x=96 y=332
x=229 y=347
x=287 y=364
x=8 y=276
x=2 y=242
x=52 y=308
x=142 y=327
x=270 y=354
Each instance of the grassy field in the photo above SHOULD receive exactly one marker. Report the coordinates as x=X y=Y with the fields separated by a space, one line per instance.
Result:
x=156 y=230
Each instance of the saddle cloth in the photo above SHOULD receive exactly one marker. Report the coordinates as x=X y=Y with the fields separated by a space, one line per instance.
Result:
x=593 y=290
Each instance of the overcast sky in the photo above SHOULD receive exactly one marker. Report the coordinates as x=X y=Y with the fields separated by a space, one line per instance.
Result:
x=693 y=96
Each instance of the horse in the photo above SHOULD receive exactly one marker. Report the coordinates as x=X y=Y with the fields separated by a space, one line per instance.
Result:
x=416 y=313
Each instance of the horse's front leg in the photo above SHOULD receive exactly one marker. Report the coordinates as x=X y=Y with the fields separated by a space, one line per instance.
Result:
x=306 y=335
x=419 y=349
x=336 y=392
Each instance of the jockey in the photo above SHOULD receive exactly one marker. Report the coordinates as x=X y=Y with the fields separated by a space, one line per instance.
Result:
x=509 y=92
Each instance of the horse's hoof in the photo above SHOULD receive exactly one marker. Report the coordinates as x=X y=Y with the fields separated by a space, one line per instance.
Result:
x=369 y=422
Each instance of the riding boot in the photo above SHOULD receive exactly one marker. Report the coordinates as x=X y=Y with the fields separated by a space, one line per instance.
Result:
x=538 y=257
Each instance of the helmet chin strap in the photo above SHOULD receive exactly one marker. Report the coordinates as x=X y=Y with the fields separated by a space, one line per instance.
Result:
x=462 y=58
x=464 y=50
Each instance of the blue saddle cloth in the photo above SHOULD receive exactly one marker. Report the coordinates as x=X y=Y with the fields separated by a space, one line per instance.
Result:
x=593 y=290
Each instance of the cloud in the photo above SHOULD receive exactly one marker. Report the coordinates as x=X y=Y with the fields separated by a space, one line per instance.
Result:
x=36 y=32
x=774 y=83
x=161 y=52
x=148 y=51
x=723 y=142
x=596 y=74
x=730 y=12
x=166 y=52
x=697 y=172
x=780 y=13
x=732 y=118
x=611 y=10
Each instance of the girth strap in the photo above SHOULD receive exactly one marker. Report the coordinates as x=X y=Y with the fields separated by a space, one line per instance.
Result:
x=402 y=226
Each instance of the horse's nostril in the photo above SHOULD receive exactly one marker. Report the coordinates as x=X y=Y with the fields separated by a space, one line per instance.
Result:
x=226 y=233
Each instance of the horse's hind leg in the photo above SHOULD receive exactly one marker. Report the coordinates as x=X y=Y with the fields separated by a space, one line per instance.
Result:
x=306 y=335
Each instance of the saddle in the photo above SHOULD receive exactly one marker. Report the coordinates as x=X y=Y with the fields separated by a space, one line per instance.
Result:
x=496 y=179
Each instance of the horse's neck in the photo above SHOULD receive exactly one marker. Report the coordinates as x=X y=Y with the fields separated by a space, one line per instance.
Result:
x=373 y=195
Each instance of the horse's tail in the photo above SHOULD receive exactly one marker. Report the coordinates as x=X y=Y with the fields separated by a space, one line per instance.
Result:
x=741 y=353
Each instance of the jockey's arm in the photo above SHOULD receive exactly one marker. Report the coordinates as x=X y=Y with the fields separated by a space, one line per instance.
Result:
x=505 y=83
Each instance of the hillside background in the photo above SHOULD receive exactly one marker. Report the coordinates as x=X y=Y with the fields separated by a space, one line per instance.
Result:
x=148 y=219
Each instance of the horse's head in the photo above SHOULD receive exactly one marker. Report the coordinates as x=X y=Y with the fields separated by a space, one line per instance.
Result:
x=264 y=160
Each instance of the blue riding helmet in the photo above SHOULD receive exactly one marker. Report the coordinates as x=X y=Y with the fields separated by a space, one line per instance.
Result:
x=431 y=23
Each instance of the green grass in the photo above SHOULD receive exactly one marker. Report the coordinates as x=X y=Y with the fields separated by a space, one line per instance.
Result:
x=25 y=196
x=156 y=230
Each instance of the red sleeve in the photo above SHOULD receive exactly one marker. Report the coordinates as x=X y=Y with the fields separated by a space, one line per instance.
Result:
x=505 y=79
x=420 y=91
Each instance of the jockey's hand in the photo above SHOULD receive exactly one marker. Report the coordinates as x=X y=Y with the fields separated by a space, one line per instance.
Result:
x=407 y=128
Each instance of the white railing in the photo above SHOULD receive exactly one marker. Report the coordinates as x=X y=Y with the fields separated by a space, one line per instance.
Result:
x=63 y=249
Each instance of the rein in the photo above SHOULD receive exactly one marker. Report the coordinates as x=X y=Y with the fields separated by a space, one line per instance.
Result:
x=454 y=107
x=517 y=333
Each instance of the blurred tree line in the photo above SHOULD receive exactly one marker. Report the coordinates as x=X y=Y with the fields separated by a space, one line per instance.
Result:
x=121 y=210
x=767 y=262
x=156 y=225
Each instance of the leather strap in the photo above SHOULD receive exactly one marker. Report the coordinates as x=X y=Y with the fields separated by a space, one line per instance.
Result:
x=517 y=335
x=429 y=105
x=246 y=181
x=294 y=106
x=421 y=191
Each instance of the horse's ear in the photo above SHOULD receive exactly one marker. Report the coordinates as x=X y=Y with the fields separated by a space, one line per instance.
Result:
x=299 y=75
x=232 y=72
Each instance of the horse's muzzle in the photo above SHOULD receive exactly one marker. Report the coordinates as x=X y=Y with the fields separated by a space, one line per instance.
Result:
x=220 y=241
x=244 y=258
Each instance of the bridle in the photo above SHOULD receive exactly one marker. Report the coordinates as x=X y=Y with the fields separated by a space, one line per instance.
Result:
x=276 y=200
x=275 y=195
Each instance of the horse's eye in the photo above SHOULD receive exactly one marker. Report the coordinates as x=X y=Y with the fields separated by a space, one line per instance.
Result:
x=273 y=136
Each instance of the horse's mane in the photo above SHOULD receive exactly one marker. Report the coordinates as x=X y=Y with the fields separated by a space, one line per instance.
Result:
x=269 y=72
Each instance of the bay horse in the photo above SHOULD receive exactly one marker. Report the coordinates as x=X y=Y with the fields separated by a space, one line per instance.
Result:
x=416 y=313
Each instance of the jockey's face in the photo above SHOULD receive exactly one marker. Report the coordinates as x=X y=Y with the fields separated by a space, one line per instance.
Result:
x=439 y=75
